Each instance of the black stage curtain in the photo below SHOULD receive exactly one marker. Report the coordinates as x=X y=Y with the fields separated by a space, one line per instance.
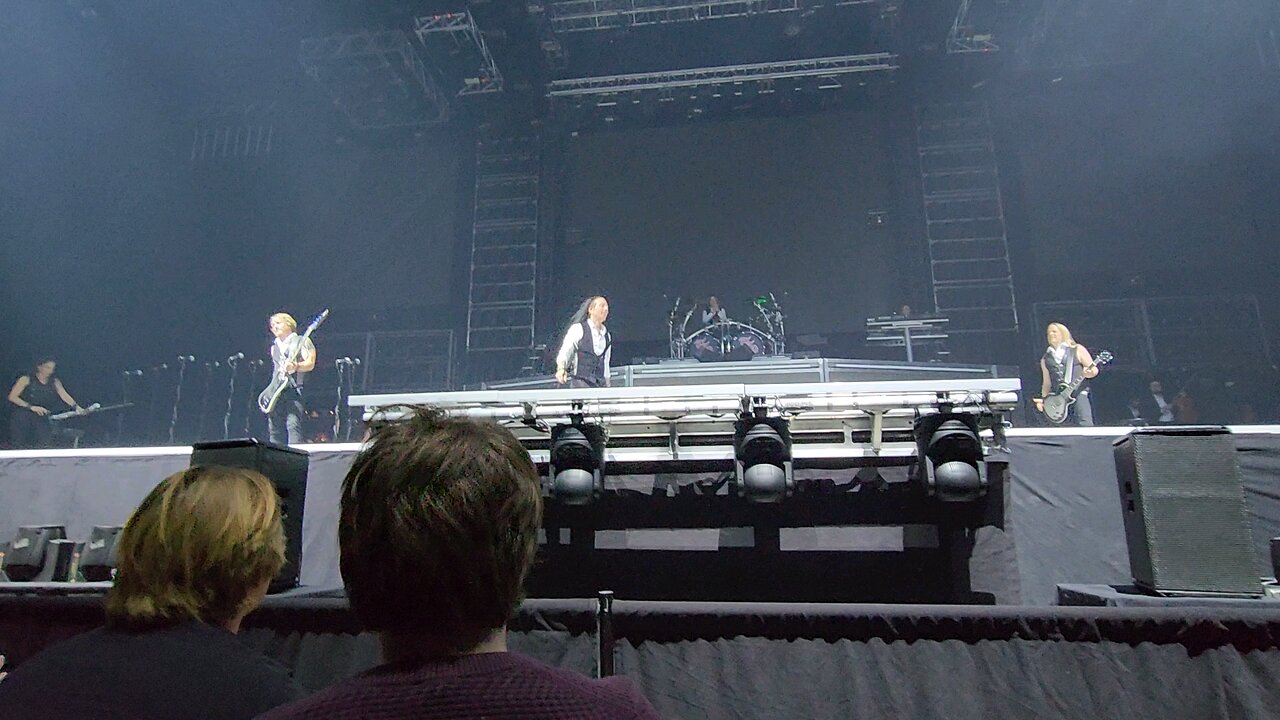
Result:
x=745 y=660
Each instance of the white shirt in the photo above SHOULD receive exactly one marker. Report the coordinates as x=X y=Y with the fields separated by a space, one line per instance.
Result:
x=567 y=357
x=1060 y=355
x=1166 y=410
x=709 y=317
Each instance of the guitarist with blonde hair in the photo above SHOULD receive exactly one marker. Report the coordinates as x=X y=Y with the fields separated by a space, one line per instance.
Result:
x=1063 y=362
x=285 y=419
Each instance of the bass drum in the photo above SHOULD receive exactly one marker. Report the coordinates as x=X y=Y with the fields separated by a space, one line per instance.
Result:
x=748 y=342
x=704 y=345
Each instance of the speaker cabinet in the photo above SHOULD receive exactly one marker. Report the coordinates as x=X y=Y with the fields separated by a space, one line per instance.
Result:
x=1184 y=512
x=30 y=558
x=98 y=559
x=286 y=468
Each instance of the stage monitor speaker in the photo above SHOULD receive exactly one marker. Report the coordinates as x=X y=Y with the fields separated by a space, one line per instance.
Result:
x=29 y=558
x=1184 y=512
x=98 y=559
x=286 y=468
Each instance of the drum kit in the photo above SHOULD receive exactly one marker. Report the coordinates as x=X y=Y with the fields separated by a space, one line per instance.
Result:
x=724 y=339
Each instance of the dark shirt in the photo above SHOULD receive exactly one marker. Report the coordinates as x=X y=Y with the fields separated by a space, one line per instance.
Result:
x=184 y=671
x=497 y=686
x=44 y=395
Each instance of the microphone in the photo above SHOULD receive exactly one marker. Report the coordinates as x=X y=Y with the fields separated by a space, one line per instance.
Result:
x=186 y=358
x=353 y=361
x=132 y=372
x=237 y=356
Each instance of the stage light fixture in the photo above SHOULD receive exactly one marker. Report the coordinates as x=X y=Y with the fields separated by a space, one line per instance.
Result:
x=762 y=458
x=949 y=465
x=575 y=470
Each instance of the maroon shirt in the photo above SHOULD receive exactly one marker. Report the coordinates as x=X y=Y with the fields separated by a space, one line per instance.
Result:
x=488 y=685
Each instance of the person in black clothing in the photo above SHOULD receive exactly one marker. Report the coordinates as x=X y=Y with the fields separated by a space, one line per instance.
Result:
x=285 y=420
x=33 y=397
x=584 y=355
x=193 y=560
x=1063 y=361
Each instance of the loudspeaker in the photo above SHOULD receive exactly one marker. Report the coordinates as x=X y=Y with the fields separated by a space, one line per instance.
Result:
x=29 y=558
x=98 y=559
x=286 y=468
x=1184 y=512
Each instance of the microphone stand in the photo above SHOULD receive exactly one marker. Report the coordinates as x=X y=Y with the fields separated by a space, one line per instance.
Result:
x=337 y=403
x=177 y=395
x=124 y=398
x=204 y=398
x=156 y=380
x=253 y=401
x=233 y=363
x=351 y=378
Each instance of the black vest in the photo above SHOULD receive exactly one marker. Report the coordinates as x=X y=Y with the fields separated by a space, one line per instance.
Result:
x=1058 y=371
x=587 y=364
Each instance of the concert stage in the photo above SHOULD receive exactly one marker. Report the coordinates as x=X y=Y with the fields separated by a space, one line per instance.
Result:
x=1059 y=522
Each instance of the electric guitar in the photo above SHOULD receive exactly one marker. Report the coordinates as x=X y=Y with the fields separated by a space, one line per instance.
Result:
x=1057 y=405
x=280 y=378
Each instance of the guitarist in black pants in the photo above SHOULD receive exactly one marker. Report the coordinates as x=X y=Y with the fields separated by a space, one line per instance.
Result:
x=1063 y=361
x=285 y=420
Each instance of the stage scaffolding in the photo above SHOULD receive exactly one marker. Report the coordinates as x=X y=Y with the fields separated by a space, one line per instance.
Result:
x=763 y=73
x=964 y=219
x=376 y=79
x=504 y=245
x=460 y=36
x=587 y=15
x=1155 y=334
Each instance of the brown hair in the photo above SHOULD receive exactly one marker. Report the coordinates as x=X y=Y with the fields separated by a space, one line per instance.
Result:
x=196 y=548
x=438 y=529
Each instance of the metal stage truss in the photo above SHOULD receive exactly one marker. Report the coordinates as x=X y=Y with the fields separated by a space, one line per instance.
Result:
x=376 y=79
x=969 y=264
x=848 y=424
x=502 y=296
x=826 y=67
x=463 y=37
x=588 y=15
x=965 y=37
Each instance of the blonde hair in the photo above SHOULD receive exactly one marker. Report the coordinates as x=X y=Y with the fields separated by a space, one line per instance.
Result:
x=285 y=318
x=1066 y=334
x=196 y=548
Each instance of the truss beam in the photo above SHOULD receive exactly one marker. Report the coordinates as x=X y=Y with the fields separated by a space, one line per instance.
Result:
x=724 y=74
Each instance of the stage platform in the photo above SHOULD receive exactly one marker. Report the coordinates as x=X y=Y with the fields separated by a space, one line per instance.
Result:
x=773 y=369
x=1059 y=521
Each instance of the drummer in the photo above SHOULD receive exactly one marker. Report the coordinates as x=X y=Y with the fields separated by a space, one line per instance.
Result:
x=713 y=314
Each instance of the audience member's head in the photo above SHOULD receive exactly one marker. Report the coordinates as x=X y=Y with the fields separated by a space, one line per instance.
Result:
x=201 y=547
x=438 y=530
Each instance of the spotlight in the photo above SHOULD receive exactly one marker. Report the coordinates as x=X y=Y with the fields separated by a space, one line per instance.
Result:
x=576 y=467
x=950 y=465
x=762 y=458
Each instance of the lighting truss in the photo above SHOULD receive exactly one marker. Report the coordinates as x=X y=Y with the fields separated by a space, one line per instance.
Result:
x=586 y=15
x=461 y=28
x=376 y=78
x=686 y=422
x=828 y=67
x=962 y=38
